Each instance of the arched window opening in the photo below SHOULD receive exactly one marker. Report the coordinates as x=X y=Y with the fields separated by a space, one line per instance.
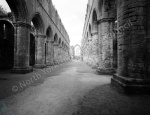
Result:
x=37 y=24
x=55 y=39
x=59 y=41
x=94 y=22
x=49 y=33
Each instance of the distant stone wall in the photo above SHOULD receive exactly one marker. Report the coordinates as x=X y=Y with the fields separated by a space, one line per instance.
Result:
x=123 y=42
x=40 y=37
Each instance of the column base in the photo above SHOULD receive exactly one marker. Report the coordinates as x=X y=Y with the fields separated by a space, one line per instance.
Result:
x=131 y=86
x=105 y=71
x=40 y=66
x=19 y=70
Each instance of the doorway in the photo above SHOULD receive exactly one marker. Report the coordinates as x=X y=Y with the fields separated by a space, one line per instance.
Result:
x=32 y=50
x=6 y=45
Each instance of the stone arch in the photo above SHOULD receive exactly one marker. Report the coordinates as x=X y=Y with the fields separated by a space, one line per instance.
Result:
x=37 y=23
x=56 y=38
x=77 y=45
x=62 y=44
x=94 y=21
x=79 y=48
x=100 y=6
x=49 y=32
x=32 y=50
x=90 y=32
x=19 y=9
x=6 y=44
x=106 y=6
x=59 y=43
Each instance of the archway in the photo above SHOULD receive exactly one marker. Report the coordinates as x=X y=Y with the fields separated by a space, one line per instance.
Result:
x=32 y=50
x=37 y=24
x=55 y=45
x=19 y=9
x=59 y=41
x=6 y=45
x=49 y=46
x=77 y=50
x=94 y=22
x=49 y=33
x=55 y=39
x=37 y=31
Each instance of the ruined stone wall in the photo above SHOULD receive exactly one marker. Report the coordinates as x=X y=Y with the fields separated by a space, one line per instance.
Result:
x=39 y=19
x=97 y=34
x=89 y=43
x=123 y=43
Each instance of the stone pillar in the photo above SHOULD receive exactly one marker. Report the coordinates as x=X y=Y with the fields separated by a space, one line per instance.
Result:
x=40 y=51
x=133 y=74
x=106 y=46
x=50 y=53
x=21 y=50
x=95 y=49
x=55 y=45
x=61 y=54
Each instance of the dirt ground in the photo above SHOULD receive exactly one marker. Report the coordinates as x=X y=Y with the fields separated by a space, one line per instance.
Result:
x=71 y=89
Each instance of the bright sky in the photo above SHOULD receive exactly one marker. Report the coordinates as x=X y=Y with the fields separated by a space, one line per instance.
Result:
x=5 y=5
x=72 y=14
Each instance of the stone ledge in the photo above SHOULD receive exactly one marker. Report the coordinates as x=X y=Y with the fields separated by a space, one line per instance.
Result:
x=21 y=70
x=131 y=86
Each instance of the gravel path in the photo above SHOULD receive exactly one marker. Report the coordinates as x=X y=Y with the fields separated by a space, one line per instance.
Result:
x=73 y=89
x=58 y=94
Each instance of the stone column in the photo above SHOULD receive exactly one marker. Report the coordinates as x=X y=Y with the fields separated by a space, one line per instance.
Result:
x=40 y=51
x=95 y=49
x=50 y=53
x=133 y=74
x=106 y=46
x=55 y=45
x=21 y=50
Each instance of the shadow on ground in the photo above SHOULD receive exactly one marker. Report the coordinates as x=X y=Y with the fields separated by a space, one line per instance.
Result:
x=105 y=100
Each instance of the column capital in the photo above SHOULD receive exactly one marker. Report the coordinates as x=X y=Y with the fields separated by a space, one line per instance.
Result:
x=40 y=35
x=105 y=20
x=22 y=24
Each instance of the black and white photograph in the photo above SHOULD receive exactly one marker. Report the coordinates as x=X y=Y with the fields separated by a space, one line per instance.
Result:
x=74 y=57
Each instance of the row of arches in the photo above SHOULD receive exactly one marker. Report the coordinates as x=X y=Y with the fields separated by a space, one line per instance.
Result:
x=60 y=42
x=98 y=36
x=92 y=26
x=122 y=48
x=7 y=45
x=28 y=39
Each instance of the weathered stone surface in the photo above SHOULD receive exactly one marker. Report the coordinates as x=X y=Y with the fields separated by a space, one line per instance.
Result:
x=40 y=38
x=123 y=42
